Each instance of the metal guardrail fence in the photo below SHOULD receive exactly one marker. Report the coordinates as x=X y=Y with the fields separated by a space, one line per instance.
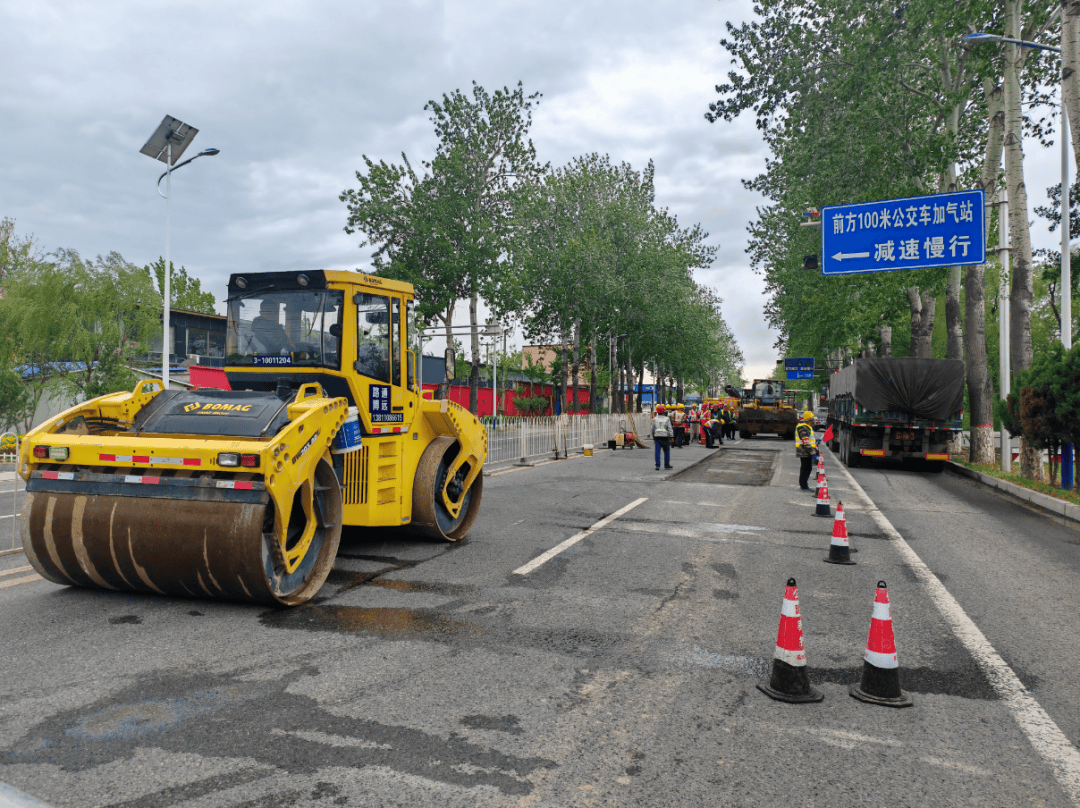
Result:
x=517 y=438
x=16 y=546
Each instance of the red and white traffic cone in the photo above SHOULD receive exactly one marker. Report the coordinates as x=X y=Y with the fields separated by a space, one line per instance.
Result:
x=839 y=549
x=789 y=680
x=820 y=463
x=881 y=670
x=822 y=507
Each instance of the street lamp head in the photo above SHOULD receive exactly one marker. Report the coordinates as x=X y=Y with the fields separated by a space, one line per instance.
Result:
x=209 y=152
x=980 y=36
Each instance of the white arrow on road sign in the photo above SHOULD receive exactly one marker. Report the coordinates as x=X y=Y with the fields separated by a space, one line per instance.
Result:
x=840 y=256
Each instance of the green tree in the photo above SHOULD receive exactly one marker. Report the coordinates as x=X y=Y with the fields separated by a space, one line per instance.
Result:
x=866 y=101
x=16 y=399
x=447 y=232
x=75 y=325
x=185 y=292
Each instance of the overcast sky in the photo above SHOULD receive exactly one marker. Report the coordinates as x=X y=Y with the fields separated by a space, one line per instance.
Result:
x=293 y=93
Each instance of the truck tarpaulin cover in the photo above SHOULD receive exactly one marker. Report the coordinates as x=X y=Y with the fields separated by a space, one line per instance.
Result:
x=928 y=389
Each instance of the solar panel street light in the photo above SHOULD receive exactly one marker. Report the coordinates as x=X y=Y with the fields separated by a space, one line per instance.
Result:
x=169 y=140
x=167 y=144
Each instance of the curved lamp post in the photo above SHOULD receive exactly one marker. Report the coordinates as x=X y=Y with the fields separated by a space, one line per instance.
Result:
x=167 y=144
x=166 y=291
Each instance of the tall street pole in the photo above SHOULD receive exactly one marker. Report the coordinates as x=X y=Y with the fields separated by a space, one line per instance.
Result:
x=1066 y=261
x=165 y=301
x=1003 y=318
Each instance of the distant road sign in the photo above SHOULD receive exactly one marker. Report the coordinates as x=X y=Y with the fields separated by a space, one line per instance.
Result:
x=791 y=365
x=942 y=230
x=796 y=375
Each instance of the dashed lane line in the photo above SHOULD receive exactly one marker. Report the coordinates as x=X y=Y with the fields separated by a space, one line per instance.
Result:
x=543 y=558
x=16 y=581
x=1046 y=736
x=27 y=568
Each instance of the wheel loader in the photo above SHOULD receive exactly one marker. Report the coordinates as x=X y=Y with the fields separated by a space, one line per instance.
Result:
x=766 y=408
x=242 y=493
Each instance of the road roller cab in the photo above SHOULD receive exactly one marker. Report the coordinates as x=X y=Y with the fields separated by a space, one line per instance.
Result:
x=242 y=494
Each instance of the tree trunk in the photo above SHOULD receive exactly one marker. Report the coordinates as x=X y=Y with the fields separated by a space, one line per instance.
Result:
x=620 y=390
x=1021 y=292
x=922 y=322
x=884 y=341
x=592 y=376
x=444 y=383
x=679 y=390
x=1071 y=40
x=474 y=371
x=640 y=384
x=577 y=361
x=980 y=392
x=953 y=317
x=562 y=371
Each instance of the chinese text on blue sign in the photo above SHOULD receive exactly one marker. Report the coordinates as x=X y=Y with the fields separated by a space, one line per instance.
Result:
x=379 y=406
x=798 y=364
x=922 y=231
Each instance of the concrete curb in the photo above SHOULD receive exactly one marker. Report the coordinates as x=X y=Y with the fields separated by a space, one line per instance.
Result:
x=1061 y=511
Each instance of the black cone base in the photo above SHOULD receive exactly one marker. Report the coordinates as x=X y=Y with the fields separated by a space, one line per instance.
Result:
x=838 y=554
x=791 y=684
x=822 y=509
x=881 y=686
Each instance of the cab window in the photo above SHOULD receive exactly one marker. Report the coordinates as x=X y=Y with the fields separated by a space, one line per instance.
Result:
x=374 y=338
x=395 y=309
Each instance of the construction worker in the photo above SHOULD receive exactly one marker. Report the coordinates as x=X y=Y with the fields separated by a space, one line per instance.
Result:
x=706 y=427
x=662 y=432
x=805 y=447
x=678 y=422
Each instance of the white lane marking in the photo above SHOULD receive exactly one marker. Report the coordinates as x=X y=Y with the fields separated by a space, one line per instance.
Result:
x=17 y=581
x=10 y=515
x=686 y=533
x=558 y=548
x=27 y=568
x=331 y=740
x=1046 y=737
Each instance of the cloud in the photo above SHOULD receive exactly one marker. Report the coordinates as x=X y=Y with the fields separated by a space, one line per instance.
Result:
x=294 y=93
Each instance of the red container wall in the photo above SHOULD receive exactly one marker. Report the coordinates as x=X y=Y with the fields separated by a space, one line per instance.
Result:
x=459 y=394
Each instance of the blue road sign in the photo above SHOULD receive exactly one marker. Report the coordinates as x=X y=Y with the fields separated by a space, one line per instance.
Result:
x=943 y=230
x=791 y=365
x=796 y=375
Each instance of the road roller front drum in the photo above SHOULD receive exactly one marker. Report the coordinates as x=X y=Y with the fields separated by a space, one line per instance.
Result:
x=185 y=547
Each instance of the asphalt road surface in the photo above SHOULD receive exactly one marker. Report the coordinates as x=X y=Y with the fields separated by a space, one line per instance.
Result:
x=619 y=670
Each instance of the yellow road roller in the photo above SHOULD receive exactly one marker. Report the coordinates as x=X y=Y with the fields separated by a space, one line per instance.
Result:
x=241 y=493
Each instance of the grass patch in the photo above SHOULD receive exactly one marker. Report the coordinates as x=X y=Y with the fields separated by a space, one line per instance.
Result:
x=1043 y=488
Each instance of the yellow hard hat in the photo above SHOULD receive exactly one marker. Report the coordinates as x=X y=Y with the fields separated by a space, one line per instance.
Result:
x=807 y=415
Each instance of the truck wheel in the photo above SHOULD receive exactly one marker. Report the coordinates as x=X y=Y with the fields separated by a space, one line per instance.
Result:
x=935 y=466
x=854 y=458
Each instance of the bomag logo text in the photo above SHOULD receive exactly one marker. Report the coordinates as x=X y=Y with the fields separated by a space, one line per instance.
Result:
x=217 y=408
